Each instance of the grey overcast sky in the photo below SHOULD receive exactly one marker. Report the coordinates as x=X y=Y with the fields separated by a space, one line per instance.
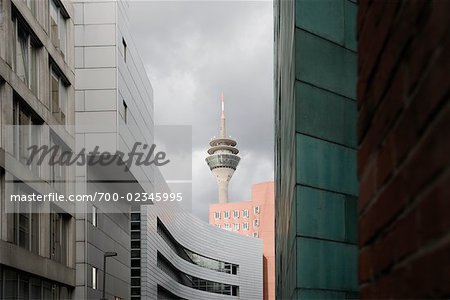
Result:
x=191 y=52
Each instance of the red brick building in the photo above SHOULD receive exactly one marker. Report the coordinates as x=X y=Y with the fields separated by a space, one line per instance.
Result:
x=404 y=148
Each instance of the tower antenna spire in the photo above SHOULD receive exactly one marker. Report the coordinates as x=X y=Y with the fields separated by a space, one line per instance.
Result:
x=223 y=130
x=223 y=104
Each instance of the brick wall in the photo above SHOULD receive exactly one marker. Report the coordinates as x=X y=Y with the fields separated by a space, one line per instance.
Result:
x=404 y=148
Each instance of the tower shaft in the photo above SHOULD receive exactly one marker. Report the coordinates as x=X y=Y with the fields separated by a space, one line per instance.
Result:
x=223 y=159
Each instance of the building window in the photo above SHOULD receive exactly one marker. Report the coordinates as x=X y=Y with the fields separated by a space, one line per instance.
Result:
x=245 y=213
x=58 y=96
x=26 y=134
x=256 y=210
x=256 y=222
x=193 y=257
x=245 y=226
x=236 y=214
x=10 y=284
x=236 y=227
x=226 y=226
x=58 y=27
x=94 y=216
x=195 y=282
x=226 y=214
x=26 y=221
x=20 y=285
x=94 y=278
x=58 y=171
x=125 y=112
x=218 y=225
x=217 y=215
x=25 y=56
x=59 y=233
x=255 y=234
x=124 y=50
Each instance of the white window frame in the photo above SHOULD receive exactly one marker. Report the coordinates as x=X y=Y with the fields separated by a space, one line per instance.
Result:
x=32 y=131
x=236 y=227
x=256 y=222
x=58 y=169
x=60 y=40
x=31 y=66
x=226 y=214
x=94 y=216
x=245 y=213
x=256 y=210
x=217 y=215
x=245 y=226
x=236 y=214
x=59 y=112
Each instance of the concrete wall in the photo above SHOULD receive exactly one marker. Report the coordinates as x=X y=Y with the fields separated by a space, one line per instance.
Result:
x=316 y=185
x=39 y=264
x=403 y=161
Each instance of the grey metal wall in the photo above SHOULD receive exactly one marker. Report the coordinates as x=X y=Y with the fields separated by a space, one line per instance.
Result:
x=108 y=75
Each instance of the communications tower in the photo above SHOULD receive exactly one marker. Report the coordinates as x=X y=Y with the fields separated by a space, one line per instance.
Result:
x=223 y=159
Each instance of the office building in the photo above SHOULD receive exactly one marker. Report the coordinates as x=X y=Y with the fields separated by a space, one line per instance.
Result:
x=315 y=149
x=114 y=110
x=254 y=218
x=37 y=240
x=177 y=256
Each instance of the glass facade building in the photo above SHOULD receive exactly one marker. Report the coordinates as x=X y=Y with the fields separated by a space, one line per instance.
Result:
x=315 y=163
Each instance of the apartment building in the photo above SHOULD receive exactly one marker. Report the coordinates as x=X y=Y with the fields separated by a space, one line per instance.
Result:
x=37 y=240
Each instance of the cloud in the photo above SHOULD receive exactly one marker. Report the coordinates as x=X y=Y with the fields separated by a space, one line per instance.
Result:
x=194 y=50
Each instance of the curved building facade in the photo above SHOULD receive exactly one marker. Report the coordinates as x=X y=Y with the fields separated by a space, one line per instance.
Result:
x=177 y=256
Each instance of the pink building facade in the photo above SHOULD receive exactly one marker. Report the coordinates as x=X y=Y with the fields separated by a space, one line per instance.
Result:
x=253 y=218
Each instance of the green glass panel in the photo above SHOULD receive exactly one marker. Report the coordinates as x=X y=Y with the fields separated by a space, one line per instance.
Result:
x=323 y=214
x=351 y=11
x=319 y=294
x=351 y=219
x=326 y=265
x=324 y=18
x=325 y=64
x=326 y=165
x=325 y=115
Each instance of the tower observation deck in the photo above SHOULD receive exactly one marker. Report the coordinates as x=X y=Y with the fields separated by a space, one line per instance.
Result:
x=223 y=159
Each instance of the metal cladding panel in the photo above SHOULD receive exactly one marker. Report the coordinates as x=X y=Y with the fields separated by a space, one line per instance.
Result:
x=315 y=155
x=285 y=232
x=203 y=239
